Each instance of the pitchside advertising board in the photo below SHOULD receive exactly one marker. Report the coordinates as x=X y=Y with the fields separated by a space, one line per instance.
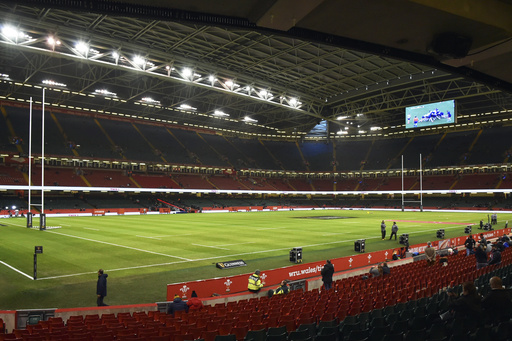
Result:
x=431 y=114
x=230 y=264
x=271 y=278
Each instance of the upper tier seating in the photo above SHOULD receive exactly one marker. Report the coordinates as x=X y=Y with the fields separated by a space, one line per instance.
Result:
x=101 y=136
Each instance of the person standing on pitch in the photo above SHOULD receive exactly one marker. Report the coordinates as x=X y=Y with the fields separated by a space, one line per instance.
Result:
x=394 y=230
x=383 y=229
x=101 y=288
x=327 y=272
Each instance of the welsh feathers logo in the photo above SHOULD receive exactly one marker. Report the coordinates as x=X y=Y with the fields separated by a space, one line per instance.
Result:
x=228 y=284
x=184 y=290
x=263 y=277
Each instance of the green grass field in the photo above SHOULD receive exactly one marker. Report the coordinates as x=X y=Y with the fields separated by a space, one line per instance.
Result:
x=142 y=254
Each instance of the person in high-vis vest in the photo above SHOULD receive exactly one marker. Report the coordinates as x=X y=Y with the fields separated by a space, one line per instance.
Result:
x=255 y=284
x=282 y=289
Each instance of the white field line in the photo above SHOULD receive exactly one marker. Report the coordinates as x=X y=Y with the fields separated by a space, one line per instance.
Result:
x=273 y=228
x=118 y=245
x=17 y=225
x=215 y=247
x=18 y=271
x=149 y=237
x=88 y=228
x=236 y=244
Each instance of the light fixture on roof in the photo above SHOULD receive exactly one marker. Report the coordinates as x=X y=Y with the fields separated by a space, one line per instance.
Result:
x=105 y=92
x=52 y=41
x=339 y=118
x=187 y=73
x=13 y=34
x=342 y=132
x=187 y=107
x=82 y=48
x=52 y=83
x=219 y=113
x=375 y=128
x=294 y=102
x=150 y=100
x=212 y=79
x=139 y=61
x=249 y=120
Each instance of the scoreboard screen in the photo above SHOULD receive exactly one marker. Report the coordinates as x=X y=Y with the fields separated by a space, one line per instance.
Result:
x=431 y=114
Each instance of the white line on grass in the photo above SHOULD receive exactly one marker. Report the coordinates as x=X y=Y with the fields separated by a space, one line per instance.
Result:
x=149 y=237
x=17 y=225
x=236 y=244
x=18 y=271
x=88 y=228
x=118 y=245
x=215 y=247
x=272 y=228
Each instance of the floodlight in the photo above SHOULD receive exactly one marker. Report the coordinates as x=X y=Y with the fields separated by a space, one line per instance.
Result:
x=82 y=47
x=219 y=113
x=212 y=78
x=53 y=42
x=187 y=107
x=10 y=31
x=138 y=60
x=248 y=119
x=187 y=72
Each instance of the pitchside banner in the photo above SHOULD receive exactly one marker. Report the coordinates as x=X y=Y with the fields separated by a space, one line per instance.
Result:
x=230 y=264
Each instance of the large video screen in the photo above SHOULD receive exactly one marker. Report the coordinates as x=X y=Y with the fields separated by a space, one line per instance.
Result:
x=430 y=114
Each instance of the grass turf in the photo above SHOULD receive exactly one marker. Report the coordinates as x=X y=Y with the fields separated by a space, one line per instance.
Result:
x=142 y=254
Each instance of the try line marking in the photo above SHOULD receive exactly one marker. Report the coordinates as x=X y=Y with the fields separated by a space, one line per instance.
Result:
x=18 y=271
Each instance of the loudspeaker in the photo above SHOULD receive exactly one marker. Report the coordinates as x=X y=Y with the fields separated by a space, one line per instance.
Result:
x=451 y=45
x=404 y=239
x=359 y=245
x=440 y=233
x=296 y=255
x=467 y=229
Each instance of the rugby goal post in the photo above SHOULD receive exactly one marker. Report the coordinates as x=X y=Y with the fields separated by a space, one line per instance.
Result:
x=421 y=188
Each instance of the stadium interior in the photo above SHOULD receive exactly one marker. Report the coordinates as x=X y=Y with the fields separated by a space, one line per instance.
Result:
x=202 y=106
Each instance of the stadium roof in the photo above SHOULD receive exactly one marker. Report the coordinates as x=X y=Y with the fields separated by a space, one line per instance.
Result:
x=274 y=67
